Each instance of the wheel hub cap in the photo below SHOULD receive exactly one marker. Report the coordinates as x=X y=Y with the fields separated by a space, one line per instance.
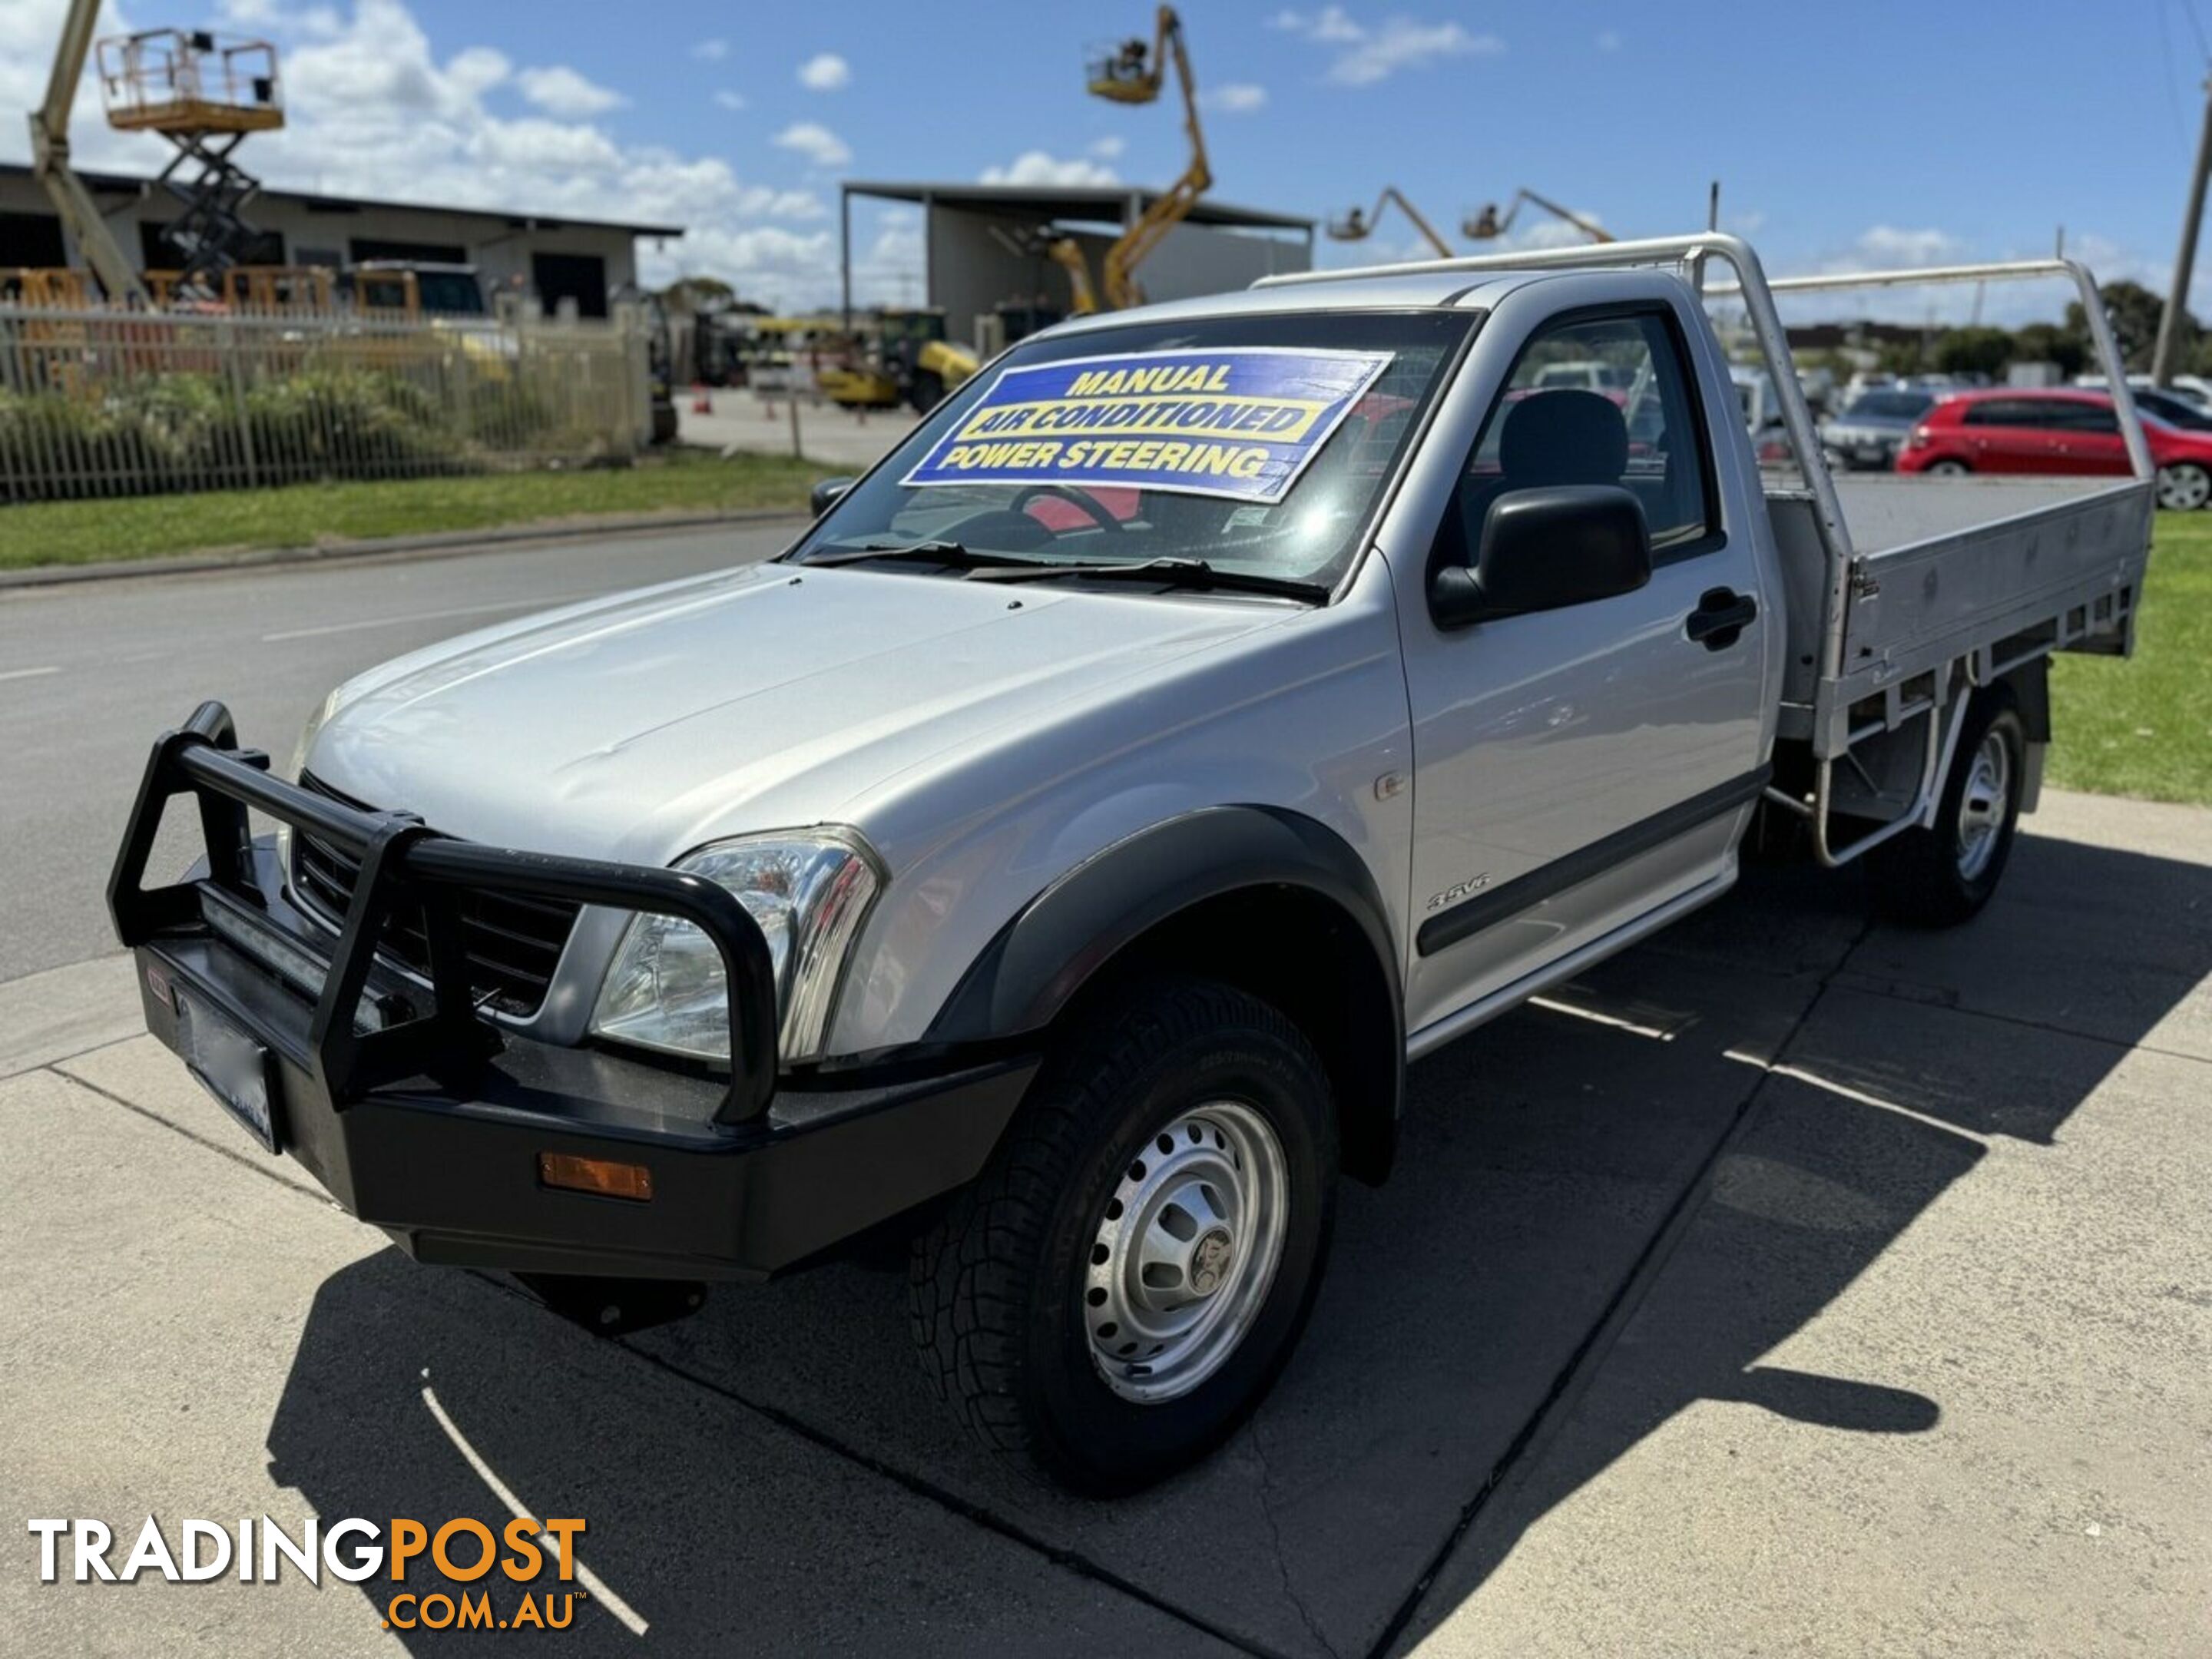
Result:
x=1183 y=1257
x=1982 y=805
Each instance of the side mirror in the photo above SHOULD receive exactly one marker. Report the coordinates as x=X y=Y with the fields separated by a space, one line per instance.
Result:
x=1541 y=549
x=827 y=494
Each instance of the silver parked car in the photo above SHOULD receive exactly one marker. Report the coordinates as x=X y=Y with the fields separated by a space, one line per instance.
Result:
x=1866 y=436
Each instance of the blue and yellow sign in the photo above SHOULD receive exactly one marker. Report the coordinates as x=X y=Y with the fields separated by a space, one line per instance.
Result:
x=1240 y=423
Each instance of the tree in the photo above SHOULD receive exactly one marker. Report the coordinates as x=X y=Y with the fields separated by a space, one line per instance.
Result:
x=2048 y=343
x=695 y=293
x=1974 y=351
x=2135 y=312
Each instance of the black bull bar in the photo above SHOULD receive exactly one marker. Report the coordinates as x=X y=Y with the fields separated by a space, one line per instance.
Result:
x=404 y=862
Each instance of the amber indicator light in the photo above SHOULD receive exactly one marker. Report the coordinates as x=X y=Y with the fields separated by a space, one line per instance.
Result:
x=595 y=1174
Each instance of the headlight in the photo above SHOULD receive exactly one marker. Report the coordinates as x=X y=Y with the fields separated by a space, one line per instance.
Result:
x=808 y=890
x=324 y=710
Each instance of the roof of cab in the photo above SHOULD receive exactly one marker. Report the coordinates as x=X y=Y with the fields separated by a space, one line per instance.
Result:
x=1456 y=289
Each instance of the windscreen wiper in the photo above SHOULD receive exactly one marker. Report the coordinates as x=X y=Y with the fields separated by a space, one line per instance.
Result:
x=1167 y=573
x=956 y=554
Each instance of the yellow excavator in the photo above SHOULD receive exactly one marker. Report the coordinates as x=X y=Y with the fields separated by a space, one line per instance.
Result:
x=1133 y=73
x=1067 y=254
x=911 y=362
x=1358 y=226
x=1050 y=242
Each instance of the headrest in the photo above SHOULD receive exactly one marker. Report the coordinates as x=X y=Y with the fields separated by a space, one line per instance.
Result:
x=1564 y=437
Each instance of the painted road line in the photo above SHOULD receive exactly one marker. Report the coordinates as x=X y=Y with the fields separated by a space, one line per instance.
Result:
x=28 y=673
x=590 y=1581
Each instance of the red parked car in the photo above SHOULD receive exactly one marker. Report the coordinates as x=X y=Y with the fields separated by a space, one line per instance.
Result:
x=2053 y=432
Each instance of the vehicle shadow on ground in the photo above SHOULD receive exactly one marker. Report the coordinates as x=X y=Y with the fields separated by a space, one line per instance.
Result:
x=1543 y=1157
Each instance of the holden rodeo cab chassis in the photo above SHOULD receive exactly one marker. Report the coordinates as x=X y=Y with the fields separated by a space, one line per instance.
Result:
x=1060 y=850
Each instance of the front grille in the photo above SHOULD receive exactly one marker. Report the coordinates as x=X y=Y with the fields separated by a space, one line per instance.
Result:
x=513 y=942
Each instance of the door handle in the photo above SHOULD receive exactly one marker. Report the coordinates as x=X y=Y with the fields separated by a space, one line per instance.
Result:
x=1721 y=615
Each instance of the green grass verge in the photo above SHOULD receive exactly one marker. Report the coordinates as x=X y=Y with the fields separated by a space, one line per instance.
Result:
x=2143 y=726
x=300 y=515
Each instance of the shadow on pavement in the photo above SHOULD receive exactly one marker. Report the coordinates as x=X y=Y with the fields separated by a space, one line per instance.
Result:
x=1544 y=1156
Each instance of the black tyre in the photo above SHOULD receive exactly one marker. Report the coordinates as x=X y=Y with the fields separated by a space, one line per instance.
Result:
x=1124 y=1282
x=1943 y=876
x=1946 y=468
x=926 y=391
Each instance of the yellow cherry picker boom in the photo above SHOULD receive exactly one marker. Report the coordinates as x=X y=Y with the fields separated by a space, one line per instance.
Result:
x=1134 y=74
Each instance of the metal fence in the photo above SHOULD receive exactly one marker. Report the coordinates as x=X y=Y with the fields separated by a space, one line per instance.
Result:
x=97 y=403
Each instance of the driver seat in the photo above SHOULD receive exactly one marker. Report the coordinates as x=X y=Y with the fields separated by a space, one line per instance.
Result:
x=1564 y=436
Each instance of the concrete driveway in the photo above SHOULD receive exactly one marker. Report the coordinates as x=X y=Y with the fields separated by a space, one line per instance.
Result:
x=1790 y=1284
x=738 y=419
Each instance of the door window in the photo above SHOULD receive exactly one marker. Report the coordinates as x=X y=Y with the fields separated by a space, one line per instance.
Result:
x=2076 y=417
x=2012 y=411
x=1604 y=400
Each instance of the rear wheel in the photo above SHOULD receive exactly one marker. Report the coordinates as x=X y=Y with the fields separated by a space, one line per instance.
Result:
x=1123 y=1284
x=1944 y=875
x=1946 y=468
x=2183 y=487
x=926 y=391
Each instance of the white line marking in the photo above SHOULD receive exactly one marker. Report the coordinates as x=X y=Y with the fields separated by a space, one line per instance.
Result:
x=27 y=673
x=1596 y=1019
x=1845 y=1092
x=540 y=601
x=592 y=1582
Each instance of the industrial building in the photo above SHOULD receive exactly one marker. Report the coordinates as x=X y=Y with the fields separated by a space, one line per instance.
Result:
x=580 y=261
x=983 y=246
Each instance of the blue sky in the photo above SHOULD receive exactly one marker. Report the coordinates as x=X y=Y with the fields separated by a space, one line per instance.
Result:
x=1876 y=133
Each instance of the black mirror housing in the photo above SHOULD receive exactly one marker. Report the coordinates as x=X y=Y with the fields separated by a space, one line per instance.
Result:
x=828 y=493
x=1541 y=550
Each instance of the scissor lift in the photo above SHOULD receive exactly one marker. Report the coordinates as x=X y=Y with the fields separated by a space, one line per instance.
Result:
x=204 y=93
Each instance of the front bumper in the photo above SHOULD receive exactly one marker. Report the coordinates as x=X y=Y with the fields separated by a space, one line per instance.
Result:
x=422 y=1117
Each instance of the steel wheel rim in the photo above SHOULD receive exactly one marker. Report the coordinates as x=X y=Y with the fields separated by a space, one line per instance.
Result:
x=1984 y=805
x=1186 y=1251
x=2184 y=488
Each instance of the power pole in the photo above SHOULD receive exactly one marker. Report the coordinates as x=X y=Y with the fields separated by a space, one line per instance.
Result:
x=2185 y=262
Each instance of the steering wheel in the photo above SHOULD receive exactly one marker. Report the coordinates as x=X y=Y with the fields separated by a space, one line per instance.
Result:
x=1082 y=500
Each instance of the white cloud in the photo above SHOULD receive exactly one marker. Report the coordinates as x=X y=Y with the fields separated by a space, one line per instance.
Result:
x=824 y=147
x=825 y=72
x=1365 y=55
x=711 y=51
x=725 y=99
x=373 y=111
x=1235 y=98
x=1108 y=148
x=1037 y=166
x=266 y=15
x=1329 y=24
x=559 y=90
x=1403 y=44
x=1608 y=40
x=1889 y=244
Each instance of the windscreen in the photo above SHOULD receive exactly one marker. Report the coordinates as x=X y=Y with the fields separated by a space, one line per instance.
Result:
x=1258 y=444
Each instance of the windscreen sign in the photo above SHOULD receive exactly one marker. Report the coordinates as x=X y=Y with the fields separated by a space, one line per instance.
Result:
x=1240 y=423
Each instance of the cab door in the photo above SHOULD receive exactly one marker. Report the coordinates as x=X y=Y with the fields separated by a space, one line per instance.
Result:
x=1577 y=769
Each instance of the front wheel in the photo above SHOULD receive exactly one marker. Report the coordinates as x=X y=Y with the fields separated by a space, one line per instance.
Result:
x=2183 y=487
x=1944 y=875
x=1120 y=1288
x=926 y=391
x=1946 y=468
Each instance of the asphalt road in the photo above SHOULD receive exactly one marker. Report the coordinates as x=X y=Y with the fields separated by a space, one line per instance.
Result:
x=90 y=674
